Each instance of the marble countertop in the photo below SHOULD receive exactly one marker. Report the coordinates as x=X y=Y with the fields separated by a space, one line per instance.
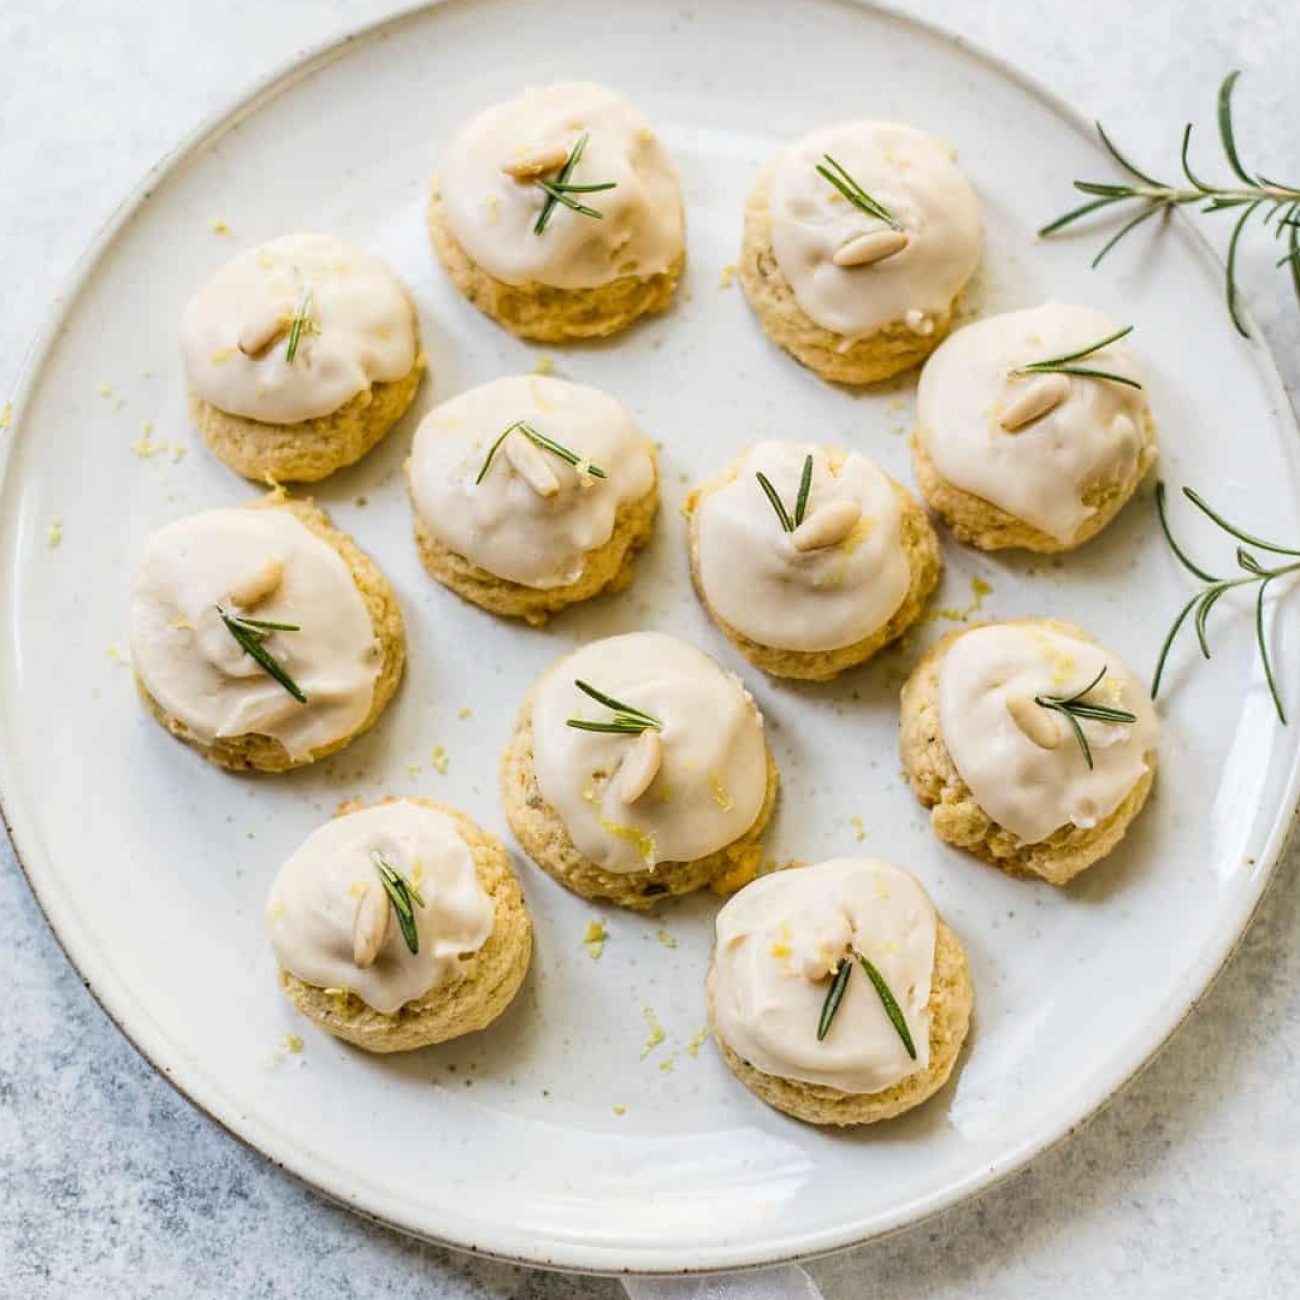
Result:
x=112 y=1185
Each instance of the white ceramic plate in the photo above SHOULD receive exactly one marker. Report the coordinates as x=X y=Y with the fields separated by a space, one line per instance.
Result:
x=152 y=866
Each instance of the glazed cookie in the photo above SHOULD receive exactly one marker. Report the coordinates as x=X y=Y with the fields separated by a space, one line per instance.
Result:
x=1040 y=458
x=859 y=240
x=400 y=925
x=530 y=494
x=836 y=993
x=263 y=636
x=638 y=769
x=807 y=583
x=300 y=356
x=559 y=214
x=1033 y=746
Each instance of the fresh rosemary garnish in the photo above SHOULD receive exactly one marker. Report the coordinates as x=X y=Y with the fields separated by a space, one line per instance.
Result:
x=833 y=172
x=562 y=189
x=249 y=634
x=1062 y=365
x=300 y=321
x=401 y=893
x=1206 y=599
x=835 y=995
x=545 y=443
x=789 y=522
x=627 y=719
x=1073 y=707
x=1248 y=193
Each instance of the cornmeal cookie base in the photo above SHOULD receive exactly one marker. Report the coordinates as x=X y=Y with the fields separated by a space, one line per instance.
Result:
x=607 y=569
x=482 y=989
x=923 y=560
x=976 y=522
x=542 y=835
x=256 y=752
x=313 y=449
x=542 y=312
x=957 y=819
x=951 y=1000
x=889 y=351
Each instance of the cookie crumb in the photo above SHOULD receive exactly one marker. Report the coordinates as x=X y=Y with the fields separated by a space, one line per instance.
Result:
x=440 y=760
x=666 y=939
x=594 y=938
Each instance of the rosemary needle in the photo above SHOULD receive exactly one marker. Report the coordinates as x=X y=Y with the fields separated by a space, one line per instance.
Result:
x=627 y=719
x=835 y=995
x=1063 y=365
x=301 y=321
x=561 y=190
x=546 y=444
x=249 y=634
x=401 y=893
x=1074 y=707
x=834 y=172
x=789 y=522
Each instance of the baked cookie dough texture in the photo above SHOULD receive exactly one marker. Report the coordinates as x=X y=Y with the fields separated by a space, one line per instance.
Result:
x=531 y=533
x=780 y=941
x=1004 y=777
x=277 y=562
x=354 y=371
x=580 y=276
x=850 y=295
x=809 y=603
x=634 y=817
x=1041 y=461
x=344 y=960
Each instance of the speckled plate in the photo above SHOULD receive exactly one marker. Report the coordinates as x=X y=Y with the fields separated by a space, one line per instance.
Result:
x=569 y=1134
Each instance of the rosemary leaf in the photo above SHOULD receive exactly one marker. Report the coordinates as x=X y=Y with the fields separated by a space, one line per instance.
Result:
x=561 y=190
x=834 y=172
x=249 y=634
x=805 y=486
x=301 y=321
x=890 y=1003
x=1074 y=707
x=401 y=893
x=627 y=719
x=538 y=440
x=787 y=524
x=834 y=995
x=1062 y=365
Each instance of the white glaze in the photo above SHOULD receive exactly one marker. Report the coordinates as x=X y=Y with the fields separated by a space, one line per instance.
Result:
x=712 y=779
x=779 y=941
x=312 y=908
x=1030 y=790
x=915 y=178
x=1040 y=472
x=197 y=672
x=492 y=213
x=503 y=524
x=362 y=332
x=758 y=581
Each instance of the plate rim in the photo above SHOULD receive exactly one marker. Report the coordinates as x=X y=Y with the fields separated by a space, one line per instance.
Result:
x=115 y=999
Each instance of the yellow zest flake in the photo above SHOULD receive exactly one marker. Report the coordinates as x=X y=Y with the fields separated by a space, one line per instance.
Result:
x=719 y=791
x=440 y=760
x=492 y=205
x=620 y=1110
x=357 y=888
x=859 y=829
x=417 y=873
x=593 y=939
x=217 y=226
x=697 y=1040
x=781 y=949
x=54 y=533
x=544 y=365
x=275 y=912
x=644 y=841
x=666 y=939
x=178 y=452
x=979 y=589
x=465 y=713
x=6 y=415
x=413 y=770
x=221 y=356
x=293 y=1044
x=727 y=276
x=181 y=623
x=666 y=1065
x=146 y=448
x=656 y=1032
x=114 y=654
x=105 y=388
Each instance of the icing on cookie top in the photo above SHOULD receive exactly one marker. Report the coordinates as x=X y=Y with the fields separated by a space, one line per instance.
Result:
x=780 y=941
x=491 y=199
x=1022 y=762
x=836 y=579
x=355 y=327
x=532 y=517
x=264 y=565
x=853 y=272
x=674 y=792
x=333 y=924
x=1088 y=434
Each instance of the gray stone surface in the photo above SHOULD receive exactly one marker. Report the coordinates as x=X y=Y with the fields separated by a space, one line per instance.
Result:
x=112 y=1186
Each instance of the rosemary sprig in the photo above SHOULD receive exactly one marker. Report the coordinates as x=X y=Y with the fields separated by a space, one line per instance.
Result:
x=835 y=995
x=789 y=522
x=1073 y=707
x=1062 y=365
x=562 y=189
x=301 y=320
x=545 y=443
x=1209 y=595
x=628 y=719
x=401 y=893
x=1246 y=194
x=249 y=634
x=834 y=172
